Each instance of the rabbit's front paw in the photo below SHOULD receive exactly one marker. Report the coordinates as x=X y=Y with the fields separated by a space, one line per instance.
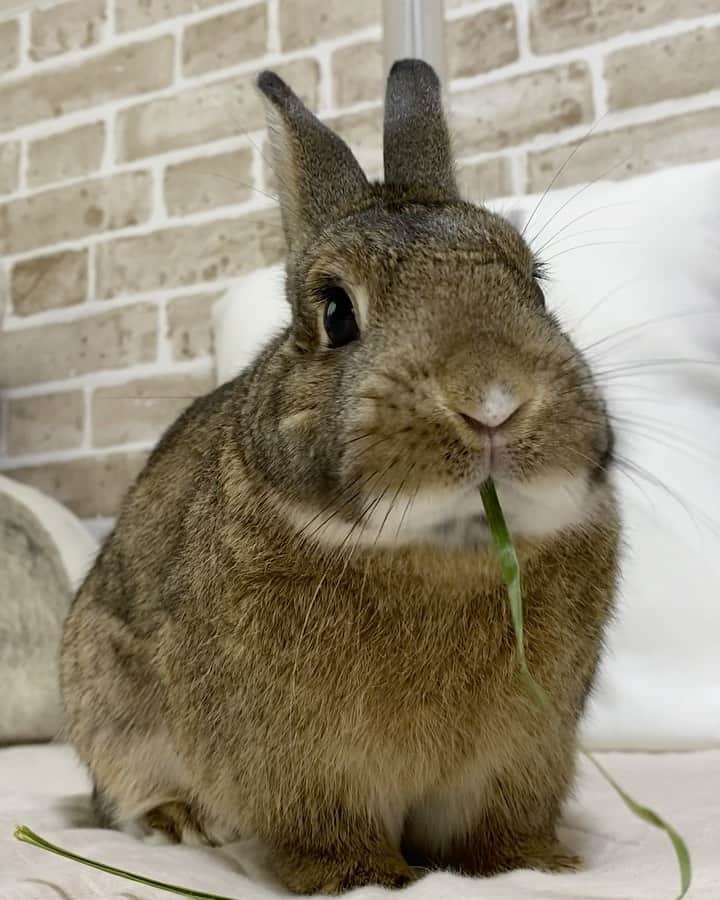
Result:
x=319 y=873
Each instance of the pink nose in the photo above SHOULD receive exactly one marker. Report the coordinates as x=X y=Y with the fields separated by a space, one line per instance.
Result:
x=499 y=404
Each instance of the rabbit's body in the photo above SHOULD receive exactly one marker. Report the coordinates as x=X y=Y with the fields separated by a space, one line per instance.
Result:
x=298 y=628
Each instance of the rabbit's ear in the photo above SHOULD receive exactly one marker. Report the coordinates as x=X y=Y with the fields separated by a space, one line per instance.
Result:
x=318 y=176
x=416 y=143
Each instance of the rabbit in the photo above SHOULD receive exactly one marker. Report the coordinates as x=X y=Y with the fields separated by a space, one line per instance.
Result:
x=298 y=629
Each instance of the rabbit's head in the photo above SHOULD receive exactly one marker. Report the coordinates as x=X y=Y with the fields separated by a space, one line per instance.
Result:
x=421 y=358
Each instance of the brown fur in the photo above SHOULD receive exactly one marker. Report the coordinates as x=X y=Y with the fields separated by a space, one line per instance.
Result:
x=233 y=666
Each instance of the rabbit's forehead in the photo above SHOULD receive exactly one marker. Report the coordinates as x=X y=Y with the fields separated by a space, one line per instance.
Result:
x=419 y=240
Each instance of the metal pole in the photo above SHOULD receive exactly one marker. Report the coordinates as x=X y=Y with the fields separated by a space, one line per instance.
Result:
x=414 y=28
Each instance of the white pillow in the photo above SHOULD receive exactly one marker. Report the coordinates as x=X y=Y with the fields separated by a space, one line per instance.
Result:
x=44 y=554
x=653 y=251
x=246 y=317
x=643 y=256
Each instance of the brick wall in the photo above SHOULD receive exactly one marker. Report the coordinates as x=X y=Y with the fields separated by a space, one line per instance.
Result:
x=133 y=185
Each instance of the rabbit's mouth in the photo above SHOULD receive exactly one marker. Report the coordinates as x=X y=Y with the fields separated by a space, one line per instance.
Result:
x=455 y=518
x=534 y=509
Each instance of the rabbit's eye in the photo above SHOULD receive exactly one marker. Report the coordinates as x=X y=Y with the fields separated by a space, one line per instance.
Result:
x=339 y=317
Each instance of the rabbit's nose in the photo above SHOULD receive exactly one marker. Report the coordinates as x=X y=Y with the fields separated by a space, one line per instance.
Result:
x=499 y=403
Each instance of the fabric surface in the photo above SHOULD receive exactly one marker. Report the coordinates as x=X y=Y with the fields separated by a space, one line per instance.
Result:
x=634 y=278
x=74 y=543
x=44 y=788
x=43 y=552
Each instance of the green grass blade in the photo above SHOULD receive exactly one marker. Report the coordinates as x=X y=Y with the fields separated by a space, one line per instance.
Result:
x=652 y=818
x=507 y=556
x=24 y=834
x=510 y=568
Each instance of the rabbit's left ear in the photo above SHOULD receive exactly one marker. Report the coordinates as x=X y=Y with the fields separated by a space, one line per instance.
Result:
x=318 y=176
x=416 y=143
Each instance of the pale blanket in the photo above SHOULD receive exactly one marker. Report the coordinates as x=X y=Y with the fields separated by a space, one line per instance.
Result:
x=43 y=787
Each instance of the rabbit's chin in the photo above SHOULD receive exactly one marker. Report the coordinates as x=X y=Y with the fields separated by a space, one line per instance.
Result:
x=455 y=517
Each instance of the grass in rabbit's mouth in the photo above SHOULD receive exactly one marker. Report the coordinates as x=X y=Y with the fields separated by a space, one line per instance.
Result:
x=510 y=569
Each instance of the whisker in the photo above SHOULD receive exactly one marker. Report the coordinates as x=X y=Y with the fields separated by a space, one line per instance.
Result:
x=330 y=503
x=638 y=326
x=592 y=244
x=588 y=212
x=611 y=293
x=581 y=190
x=361 y=519
x=560 y=171
x=653 y=479
x=663 y=437
x=366 y=434
x=411 y=500
x=577 y=234
x=392 y=503
x=246 y=134
x=644 y=427
x=336 y=512
x=208 y=172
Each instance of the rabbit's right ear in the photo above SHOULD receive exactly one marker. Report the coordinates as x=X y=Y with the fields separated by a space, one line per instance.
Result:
x=416 y=144
x=318 y=176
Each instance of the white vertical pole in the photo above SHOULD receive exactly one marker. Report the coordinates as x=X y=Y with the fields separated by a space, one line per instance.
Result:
x=414 y=28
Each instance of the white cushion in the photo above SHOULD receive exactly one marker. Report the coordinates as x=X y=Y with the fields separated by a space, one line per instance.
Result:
x=44 y=553
x=645 y=295
x=45 y=789
x=245 y=317
x=641 y=255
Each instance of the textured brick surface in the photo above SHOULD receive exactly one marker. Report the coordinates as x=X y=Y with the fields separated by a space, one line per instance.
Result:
x=9 y=166
x=9 y=46
x=357 y=73
x=88 y=486
x=176 y=257
x=484 y=180
x=68 y=154
x=692 y=137
x=476 y=43
x=86 y=208
x=133 y=14
x=45 y=423
x=226 y=108
x=481 y=42
x=141 y=410
x=225 y=40
x=506 y=112
x=124 y=72
x=558 y=24
x=189 y=325
x=49 y=282
x=363 y=132
x=671 y=67
x=74 y=25
x=112 y=340
x=303 y=22
x=4 y=304
x=141 y=127
x=209 y=181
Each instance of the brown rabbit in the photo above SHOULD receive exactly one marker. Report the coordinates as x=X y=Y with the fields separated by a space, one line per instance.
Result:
x=297 y=629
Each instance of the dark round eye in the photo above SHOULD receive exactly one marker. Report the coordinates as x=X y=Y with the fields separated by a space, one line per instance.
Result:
x=339 y=317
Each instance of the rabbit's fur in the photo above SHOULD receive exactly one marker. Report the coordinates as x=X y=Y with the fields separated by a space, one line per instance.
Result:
x=298 y=629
